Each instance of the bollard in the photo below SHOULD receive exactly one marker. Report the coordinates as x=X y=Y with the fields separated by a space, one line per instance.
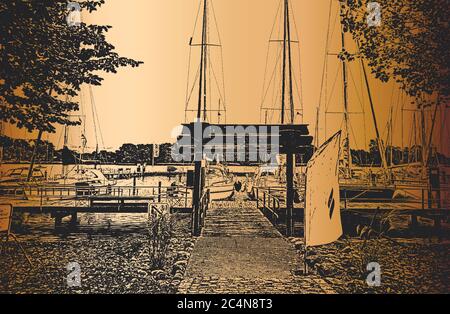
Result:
x=159 y=191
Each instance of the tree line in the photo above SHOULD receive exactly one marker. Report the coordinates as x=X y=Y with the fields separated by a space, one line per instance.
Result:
x=20 y=150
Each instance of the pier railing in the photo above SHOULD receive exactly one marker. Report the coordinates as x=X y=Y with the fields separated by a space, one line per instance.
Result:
x=268 y=203
x=177 y=196
x=204 y=206
x=199 y=214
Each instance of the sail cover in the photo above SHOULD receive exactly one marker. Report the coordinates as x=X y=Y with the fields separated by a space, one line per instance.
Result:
x=322 y=209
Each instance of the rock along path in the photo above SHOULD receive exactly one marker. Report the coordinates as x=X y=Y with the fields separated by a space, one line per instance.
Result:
x=240 y=251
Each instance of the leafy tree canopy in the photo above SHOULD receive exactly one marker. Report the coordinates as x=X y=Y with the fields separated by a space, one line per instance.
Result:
x=44 y=61
x=410 y=46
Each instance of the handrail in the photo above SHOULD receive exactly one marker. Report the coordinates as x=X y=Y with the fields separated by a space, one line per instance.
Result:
x=199 y=212
x=270 y=202
x=204 y=207
x=181 y=194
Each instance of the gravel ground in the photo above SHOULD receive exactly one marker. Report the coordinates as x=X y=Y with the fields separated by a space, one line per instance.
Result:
x=407 y=267
x=114 y=259
x=118 y=264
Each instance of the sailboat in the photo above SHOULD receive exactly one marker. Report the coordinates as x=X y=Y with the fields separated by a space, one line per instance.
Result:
x=219 y=179
x=272 y=177
x=357 y=183
x=76 y=177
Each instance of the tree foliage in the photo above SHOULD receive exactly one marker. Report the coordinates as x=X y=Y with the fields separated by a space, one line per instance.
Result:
x=411 y=46
x=44 y=61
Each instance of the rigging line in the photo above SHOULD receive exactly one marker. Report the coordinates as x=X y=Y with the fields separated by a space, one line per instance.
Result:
x=187 y=83
x=396 y=116
x=93 y=115
x=217 y=83
x=210 y=86
x=388 y=123
x=192 y=88
x=215 y=22
x=83 y=110
x=275 y=89
x=223 y=81
x=208 y=65
x=358 y=96
x=363 y=108
x=299 y=90
x=205 y=58
x=288 y=26
x=325 y=62
x=335 y=20
x=100 y=131
x=99 y=128
x=196 y=18
x=354 y=137
x=187 y=99
x=327 y=105
x=276 y=19
x=274 y=73
x=223 y=85
x=264 y=92
x=403 y=119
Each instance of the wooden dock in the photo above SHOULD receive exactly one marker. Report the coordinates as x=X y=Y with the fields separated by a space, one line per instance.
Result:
x=70 y=201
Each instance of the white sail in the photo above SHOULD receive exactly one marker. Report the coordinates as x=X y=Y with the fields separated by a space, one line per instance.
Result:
x=322 y=209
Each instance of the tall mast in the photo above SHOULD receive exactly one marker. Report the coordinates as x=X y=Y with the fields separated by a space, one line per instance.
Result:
x=379 y=140
x=391 y=136
x=287 y=58
x=202 y=80
x=283 y=80
x=316 y=133
x=205 y=60
x=346 y=114
x=288 y=26
x=423 y=143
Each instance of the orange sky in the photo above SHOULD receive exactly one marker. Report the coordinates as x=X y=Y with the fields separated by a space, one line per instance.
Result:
x=143 y=105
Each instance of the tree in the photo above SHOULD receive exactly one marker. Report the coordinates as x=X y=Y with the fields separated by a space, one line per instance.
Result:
x=44 y=62
x=411 y=46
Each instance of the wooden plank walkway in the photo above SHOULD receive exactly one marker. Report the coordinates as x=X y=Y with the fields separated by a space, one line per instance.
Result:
x=240 y=251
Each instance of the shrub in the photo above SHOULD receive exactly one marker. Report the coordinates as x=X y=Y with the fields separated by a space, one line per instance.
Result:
x=160 y=231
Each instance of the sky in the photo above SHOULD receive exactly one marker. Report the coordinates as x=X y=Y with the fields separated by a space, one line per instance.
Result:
x=143 y=105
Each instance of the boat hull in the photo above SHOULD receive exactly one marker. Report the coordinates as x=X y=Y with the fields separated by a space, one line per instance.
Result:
x=365 y=193
x=221 y=192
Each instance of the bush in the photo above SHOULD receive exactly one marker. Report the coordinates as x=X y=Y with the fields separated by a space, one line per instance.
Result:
x=160 y=231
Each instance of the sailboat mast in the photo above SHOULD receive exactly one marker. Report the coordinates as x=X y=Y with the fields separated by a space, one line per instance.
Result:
x=346 y=114
x=287 y=58
x=205 y=61
x=202 y=80
x=379 y=141
x=423 y=143
x=391 y=137
x=316 y=133
x=283 y=82
x=65 y=147
x=288 y=26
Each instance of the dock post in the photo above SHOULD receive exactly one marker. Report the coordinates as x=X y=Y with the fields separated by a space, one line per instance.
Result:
x=264 y=201
x=159 y=191
x=345 y=199
x=290 y=194
x=423 y=199
x=196 y=198
x=257 y=198
x=58 y=221
x=74 y=218
x=414 y=222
